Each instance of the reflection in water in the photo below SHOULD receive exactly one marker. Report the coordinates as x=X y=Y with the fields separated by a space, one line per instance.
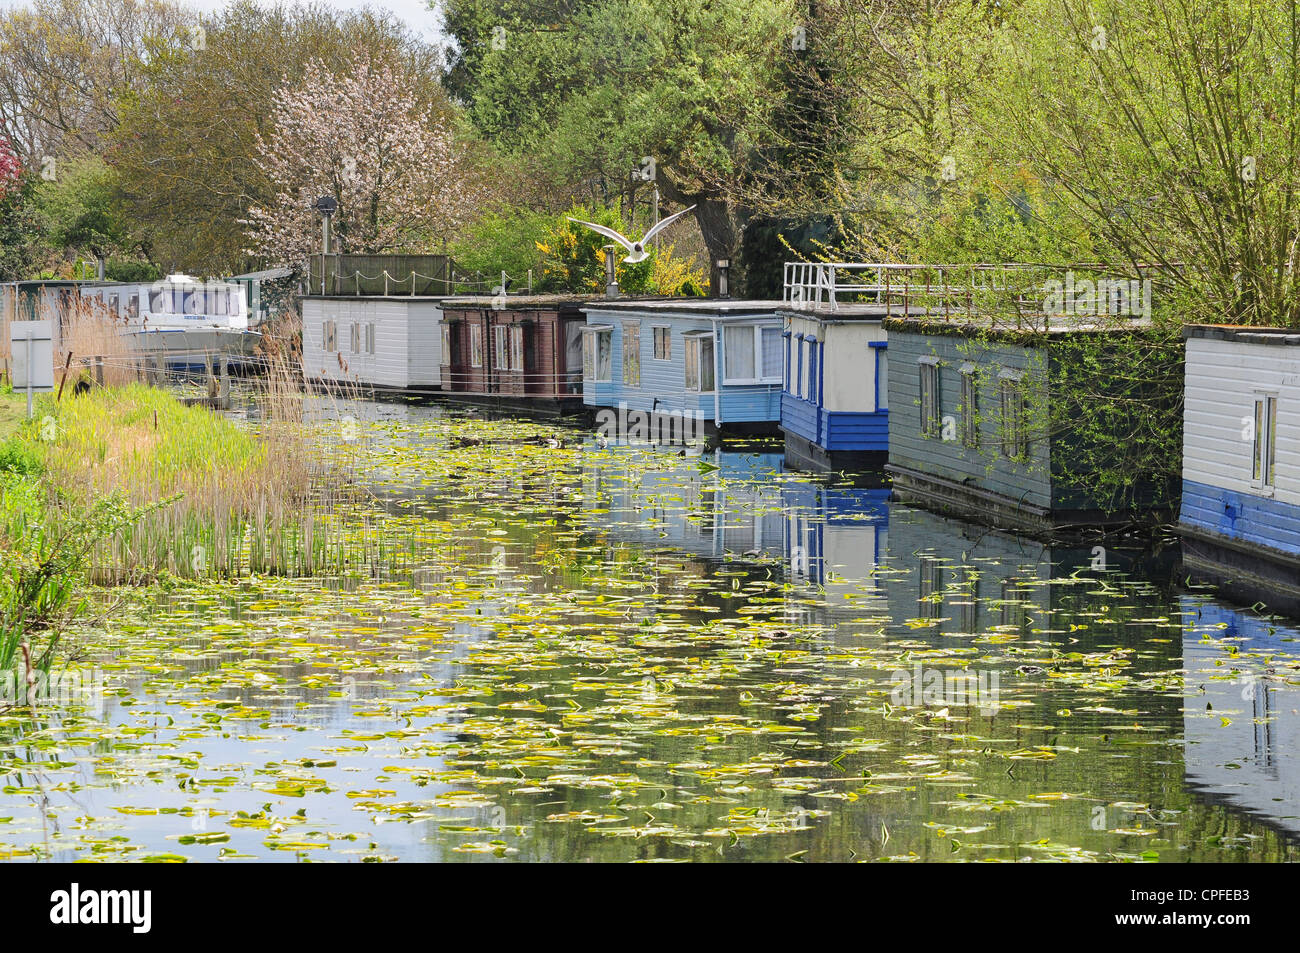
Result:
x=561 y=652
x=1240 y=718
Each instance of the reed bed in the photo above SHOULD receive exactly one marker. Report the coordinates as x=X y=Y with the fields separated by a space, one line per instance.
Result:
x=92 y=335
x=273 y=497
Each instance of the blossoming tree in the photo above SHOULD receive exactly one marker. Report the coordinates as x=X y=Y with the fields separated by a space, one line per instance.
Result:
x=10 y=167
x=363 y=137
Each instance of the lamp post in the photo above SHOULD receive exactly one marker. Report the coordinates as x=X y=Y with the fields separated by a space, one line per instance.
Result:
x=327 y=205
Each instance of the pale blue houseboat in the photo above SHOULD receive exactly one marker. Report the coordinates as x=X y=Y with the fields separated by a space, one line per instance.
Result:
x=716 y=361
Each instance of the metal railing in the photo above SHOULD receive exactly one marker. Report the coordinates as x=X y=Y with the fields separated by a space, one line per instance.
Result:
x=1025 y=295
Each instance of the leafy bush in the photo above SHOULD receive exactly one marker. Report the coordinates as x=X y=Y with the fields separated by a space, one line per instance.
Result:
x=19 y=458
x=43 y=555
x=503 y=241
x=572 y=259
x=567 y=258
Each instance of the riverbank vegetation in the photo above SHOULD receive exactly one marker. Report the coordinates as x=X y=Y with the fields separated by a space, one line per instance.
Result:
x=130 y=485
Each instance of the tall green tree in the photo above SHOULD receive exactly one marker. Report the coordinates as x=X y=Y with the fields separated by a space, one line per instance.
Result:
x=1171 y=129
x=613 y=95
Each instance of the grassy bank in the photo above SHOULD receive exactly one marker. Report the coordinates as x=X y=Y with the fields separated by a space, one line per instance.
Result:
x=13 y=408
x=126 y=485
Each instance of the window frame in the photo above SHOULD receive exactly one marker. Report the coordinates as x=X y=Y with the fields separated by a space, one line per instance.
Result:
x=931 y=396
x=970 y=426
x=1263 y=455
x=591 y=344
x=697 y=340
x=631 y=353
x=667 y=342
x=476 y=345
x=1013 y=438
x=500 y=347
x=756 y=352
x=516 y=338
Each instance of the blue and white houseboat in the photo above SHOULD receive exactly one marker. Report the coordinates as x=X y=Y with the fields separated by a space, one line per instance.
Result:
x=835 y=391
x=716 y=361
x=1240 y=515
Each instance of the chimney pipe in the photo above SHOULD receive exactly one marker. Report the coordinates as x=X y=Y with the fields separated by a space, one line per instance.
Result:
x=611 y=279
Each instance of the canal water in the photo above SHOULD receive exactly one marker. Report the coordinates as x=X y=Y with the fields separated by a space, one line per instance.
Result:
x=546 y=650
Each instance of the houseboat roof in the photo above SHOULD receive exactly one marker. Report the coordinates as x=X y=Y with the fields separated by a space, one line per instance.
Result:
x=1249 y=334
x=701 y=307
x=435 y=299
x=933 y=321
x=267 y=274
x=852 y=311
x=515 y=302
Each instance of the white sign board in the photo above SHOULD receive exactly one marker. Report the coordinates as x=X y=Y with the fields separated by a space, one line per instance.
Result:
x=32 y=345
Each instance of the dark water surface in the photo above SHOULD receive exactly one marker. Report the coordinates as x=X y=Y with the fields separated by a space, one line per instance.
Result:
x=564 y=653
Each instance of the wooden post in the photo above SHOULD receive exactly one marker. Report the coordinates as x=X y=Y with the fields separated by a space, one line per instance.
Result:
x=64 y=379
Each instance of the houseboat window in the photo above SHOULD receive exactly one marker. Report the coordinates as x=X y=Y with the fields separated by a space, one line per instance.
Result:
x=500 y=350
x=328 y=333
x=1265 y=453
x=370 y=339
x=517 y=347
x=752 y=353
x=738 y=350
x=475 y=345
x=596 y=346
x=771 y=343
x=699 y=362
x=356 y=339
x=133 y=306
x=1015 y=443
x=812 y=371
x=605 y=356
x=159 y=301
x=798 y=367
x=663 y=344
x=970 y=435
x=446 y=344
x=632 y=353
x=882 y=378
x=930 y=418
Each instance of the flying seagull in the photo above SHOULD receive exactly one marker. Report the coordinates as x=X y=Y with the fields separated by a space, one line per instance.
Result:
x=636 y=250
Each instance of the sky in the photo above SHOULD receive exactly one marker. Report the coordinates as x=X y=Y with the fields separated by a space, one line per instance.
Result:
x=415 y=13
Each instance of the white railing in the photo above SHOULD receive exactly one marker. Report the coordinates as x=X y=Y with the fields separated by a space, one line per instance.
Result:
x=1026 y=296
x=816 y=285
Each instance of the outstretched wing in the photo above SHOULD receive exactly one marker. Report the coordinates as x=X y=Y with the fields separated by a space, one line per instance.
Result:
x=664 y=223
x=607 y=232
